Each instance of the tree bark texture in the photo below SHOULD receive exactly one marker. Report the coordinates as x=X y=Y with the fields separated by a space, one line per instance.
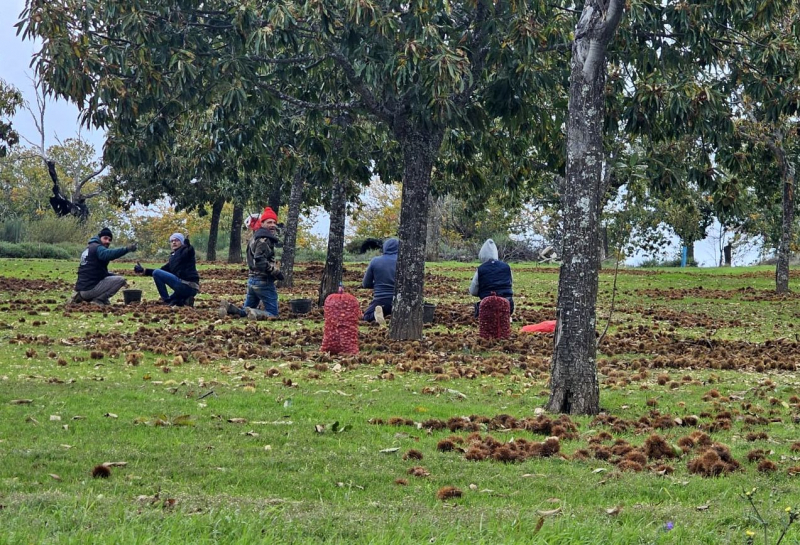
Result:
x=434 y=232
x=235 y=247
x=213 y=229
x=332 y=273
x=292 y=221
x=788 y=175
x=420 y=148
x=573 y=373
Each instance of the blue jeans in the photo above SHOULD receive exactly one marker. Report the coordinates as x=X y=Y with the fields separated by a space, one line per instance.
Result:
x=369 y=314
x=261 y=291
x=181 y=292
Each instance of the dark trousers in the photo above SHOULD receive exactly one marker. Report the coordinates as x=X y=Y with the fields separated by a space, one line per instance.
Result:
x=510 y=302
x=369 y=314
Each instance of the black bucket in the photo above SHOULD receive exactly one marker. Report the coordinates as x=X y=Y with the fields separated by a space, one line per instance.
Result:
x=131 y=296
x=300 y=306
x=427 y=313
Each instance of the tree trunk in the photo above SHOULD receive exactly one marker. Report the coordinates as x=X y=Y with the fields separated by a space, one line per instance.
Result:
x=727 y=251
x=434 y=228
x=332 y=274
x=213 y=230
x=787 y=221
x=689 y=252
x=573 y=373
x=292 y=221
x=235 y=248
x=420 y=148
x=275 y=196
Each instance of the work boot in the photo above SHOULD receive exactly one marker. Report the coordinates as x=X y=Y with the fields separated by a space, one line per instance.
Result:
x=379 y=315
x=75 y=298
x=189 y=301
x=101 y=302
x=226 y=308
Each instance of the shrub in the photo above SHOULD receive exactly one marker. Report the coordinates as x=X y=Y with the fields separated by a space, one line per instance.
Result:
x=51 y=229
x=12 y=230
x=28 y=250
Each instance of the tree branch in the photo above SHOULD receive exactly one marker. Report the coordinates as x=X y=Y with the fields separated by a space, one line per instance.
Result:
x=334 y=106
x=368 y=98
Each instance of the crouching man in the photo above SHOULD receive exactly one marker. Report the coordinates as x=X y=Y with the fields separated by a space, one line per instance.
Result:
x=95 y=284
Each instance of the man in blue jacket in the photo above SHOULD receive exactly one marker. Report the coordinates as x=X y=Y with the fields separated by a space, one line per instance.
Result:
x=95 y=284
x=492 y=276
x=380 y=276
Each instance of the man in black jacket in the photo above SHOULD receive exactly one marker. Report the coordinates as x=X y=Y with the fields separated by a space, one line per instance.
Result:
x=179 y=273
x=263 y=271
x=95 y=284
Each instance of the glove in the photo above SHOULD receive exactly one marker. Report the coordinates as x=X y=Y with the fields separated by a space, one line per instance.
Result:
x=131 y=247
x=279 y=276
x=138 y=269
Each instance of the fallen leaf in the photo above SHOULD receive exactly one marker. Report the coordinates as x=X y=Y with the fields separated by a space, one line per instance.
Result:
x=54 y=476
x=319 y=428
x=613 y=511
x=237 y=420
x=539 y=525
x=267 y=447
x=389 y=450
x=251 y=433
x=599 y=470
x=115 y=464
x=55 y=418
x=111 y=415
x=20 y=401
x=702 y=507
x=473 y=487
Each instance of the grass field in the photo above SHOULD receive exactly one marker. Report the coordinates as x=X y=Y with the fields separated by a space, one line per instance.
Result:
x=233 y=431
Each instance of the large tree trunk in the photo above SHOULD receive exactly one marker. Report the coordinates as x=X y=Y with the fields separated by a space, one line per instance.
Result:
x=235 y=248
x=434 y=232
x=213 y=229
x=787 y=219
x=292 y=221
x=573 y=374
x=332 y=274
x=420 y=148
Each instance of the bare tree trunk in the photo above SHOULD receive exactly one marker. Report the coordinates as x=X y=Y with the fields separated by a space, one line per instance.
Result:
x=235 y=248
x=420 y=148
x=292 y=221
x=434 y=228
x=275 y=196
x=787 y=222
x=332 y=274
x=213 y=229
x=573 y=373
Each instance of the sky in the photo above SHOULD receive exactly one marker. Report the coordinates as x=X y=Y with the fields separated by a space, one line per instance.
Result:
x=61 y=117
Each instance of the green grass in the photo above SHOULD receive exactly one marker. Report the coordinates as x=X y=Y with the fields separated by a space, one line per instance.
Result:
x=275 y=478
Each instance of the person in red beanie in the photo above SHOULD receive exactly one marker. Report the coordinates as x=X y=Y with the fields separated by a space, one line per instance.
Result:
x=263 y=270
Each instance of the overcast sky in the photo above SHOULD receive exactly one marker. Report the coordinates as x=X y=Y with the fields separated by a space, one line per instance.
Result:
x=61 y=118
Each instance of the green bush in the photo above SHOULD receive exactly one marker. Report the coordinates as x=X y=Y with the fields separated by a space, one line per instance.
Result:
x=28 y=250
x=50 y=229
x=13 y=230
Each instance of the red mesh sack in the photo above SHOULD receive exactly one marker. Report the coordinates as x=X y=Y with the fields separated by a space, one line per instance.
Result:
x=494 y=317
x=342 y=313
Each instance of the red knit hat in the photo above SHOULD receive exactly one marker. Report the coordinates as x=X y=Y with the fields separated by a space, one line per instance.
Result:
x=269 y=214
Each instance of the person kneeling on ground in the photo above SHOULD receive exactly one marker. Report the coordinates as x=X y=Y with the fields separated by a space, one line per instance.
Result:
x=179 y=273
x=492 y=276
x=263 y=271
x=380 y=276
x=95 y=284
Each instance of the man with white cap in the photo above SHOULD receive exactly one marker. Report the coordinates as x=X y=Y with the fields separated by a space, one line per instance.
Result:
x=179 y=273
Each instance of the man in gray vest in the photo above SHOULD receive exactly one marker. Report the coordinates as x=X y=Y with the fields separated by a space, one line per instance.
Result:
x=95 y=284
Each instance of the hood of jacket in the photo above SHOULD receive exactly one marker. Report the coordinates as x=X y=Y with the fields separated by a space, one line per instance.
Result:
x=390 y=246
x=488 y=251
x=95 y=240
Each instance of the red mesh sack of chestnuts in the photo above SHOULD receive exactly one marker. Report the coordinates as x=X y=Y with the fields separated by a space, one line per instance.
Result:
x=342 y=313
x=494 y=317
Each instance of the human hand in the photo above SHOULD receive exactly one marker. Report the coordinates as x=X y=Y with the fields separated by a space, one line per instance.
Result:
x=138 y=269
x=279 y=275
x=131 y=247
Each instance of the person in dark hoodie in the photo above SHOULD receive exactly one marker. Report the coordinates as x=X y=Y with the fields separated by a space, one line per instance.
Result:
x=380 y=276
x=263 y=271
x=492 y=276
x=95 y=284
x=179 y=273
